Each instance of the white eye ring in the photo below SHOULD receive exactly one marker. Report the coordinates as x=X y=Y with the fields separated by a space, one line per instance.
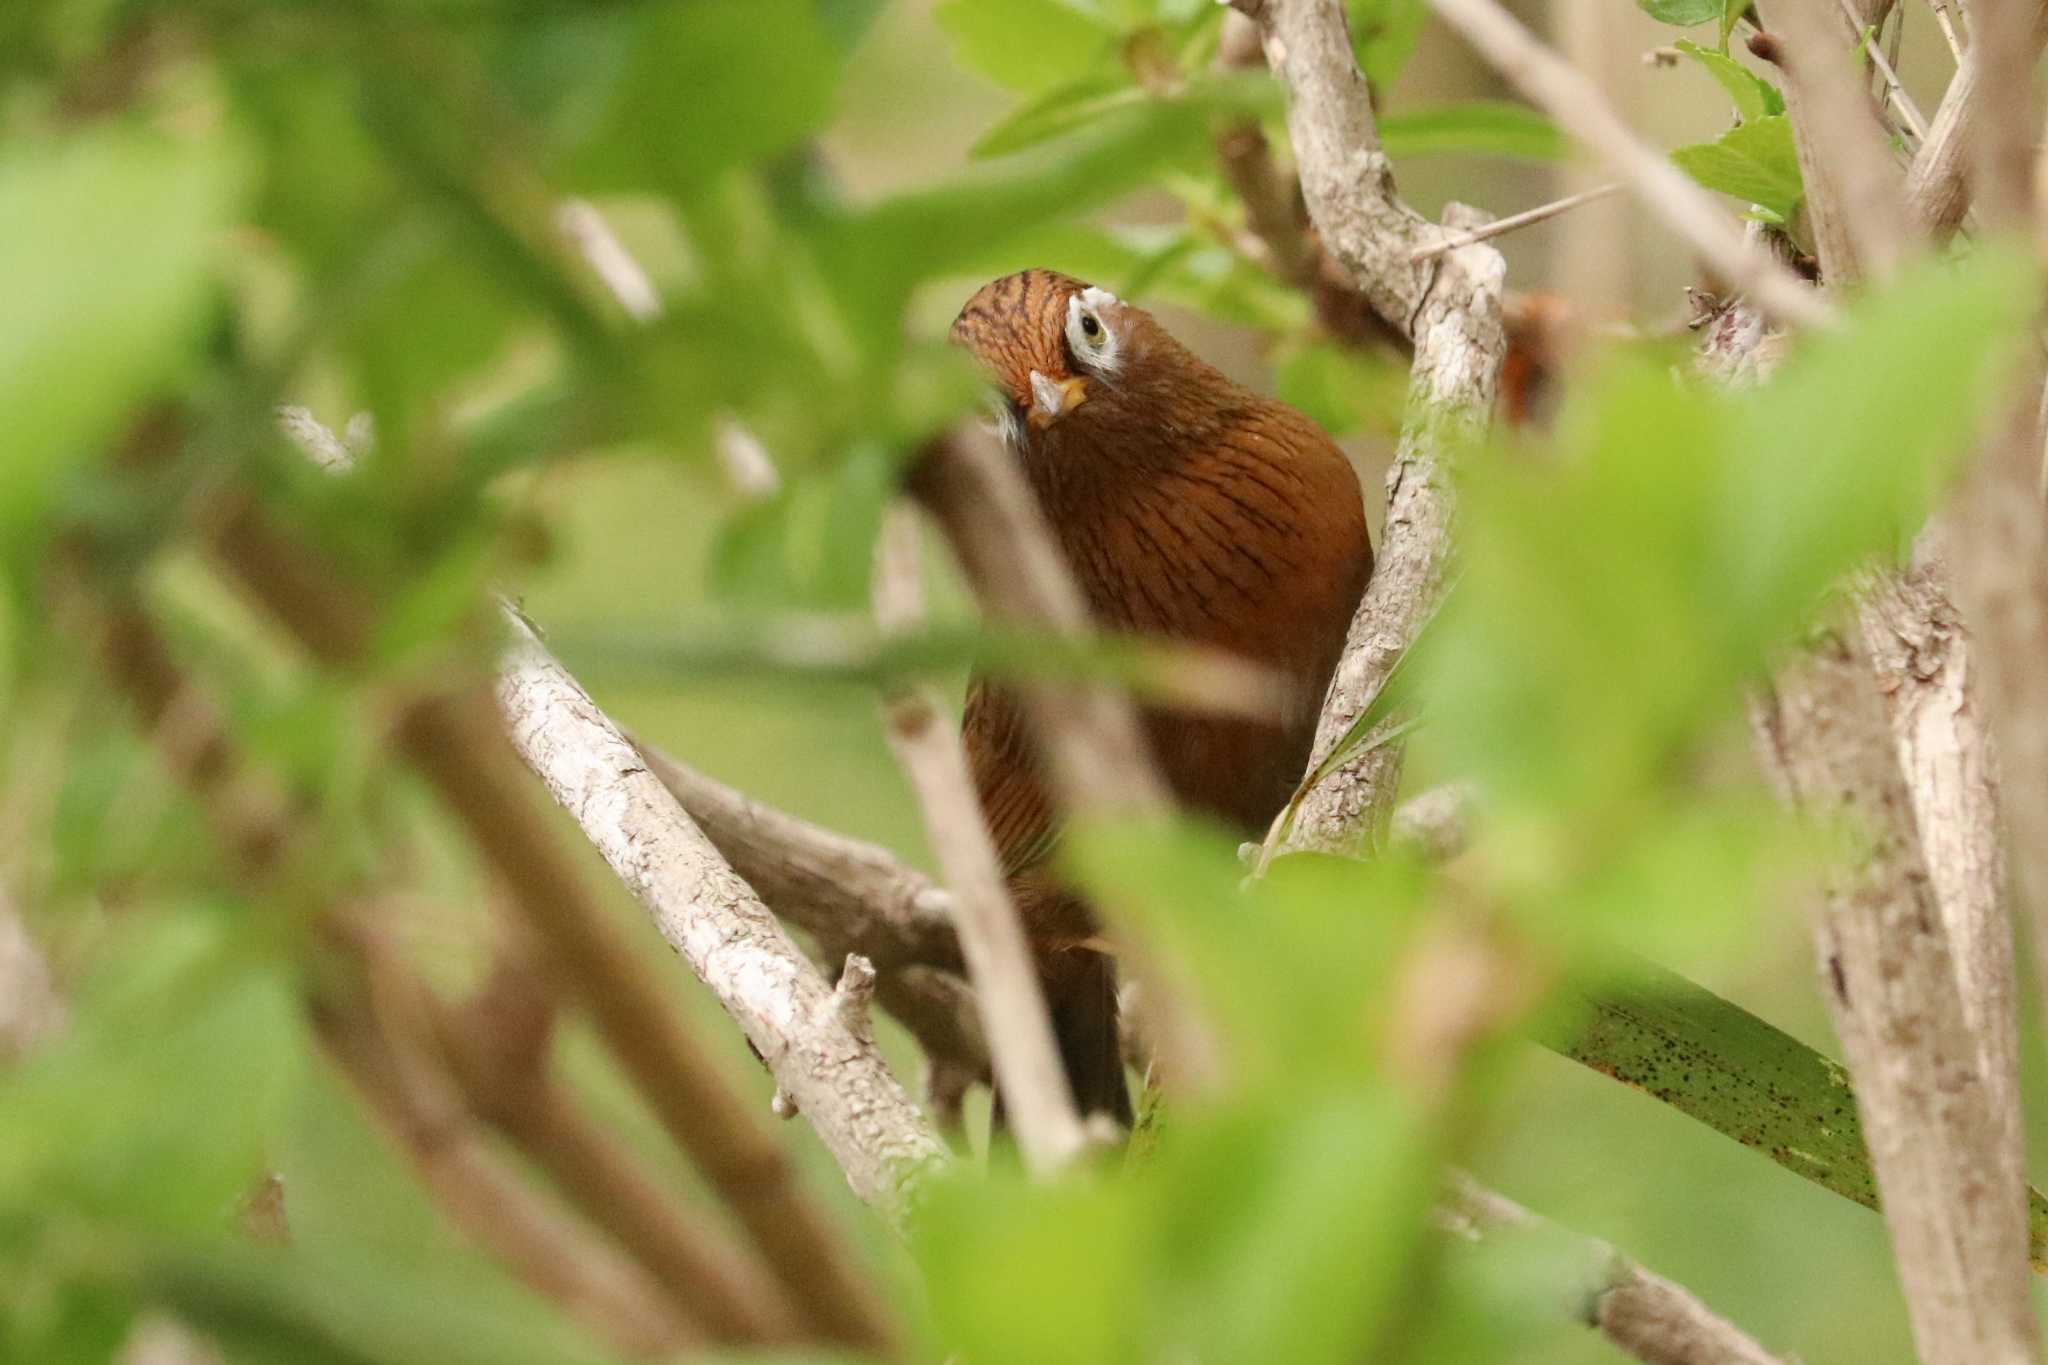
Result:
x=1088 y=333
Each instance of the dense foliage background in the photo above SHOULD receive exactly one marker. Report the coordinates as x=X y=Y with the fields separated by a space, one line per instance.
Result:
x=207 y=208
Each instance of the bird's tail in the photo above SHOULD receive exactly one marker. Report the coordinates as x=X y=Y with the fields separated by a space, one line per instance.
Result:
x=1081 y=994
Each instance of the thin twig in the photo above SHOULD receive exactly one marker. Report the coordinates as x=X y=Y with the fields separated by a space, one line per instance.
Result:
x=1450 y=308
x=1948 y=23
x=31 y=1008
x=482 y=1196
x=854 y=896
x=1036 y=1097
x=1851 y=179
x=711 y=917
x=477 y=1192
x=1939 y=183
x=1666 y=191
x=457 y=742
x=498 y=1049
x=1638 y=1311
x=1894 y=92
x=607 y=255
x=1501 y=226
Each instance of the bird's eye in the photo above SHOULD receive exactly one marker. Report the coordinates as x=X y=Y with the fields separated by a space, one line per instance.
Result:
x=1092 y=342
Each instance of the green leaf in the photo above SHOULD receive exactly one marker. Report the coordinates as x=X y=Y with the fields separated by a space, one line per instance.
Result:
x=812 y=544
x=1683 y=13
x=1020 y=1274
x=104 y=244
x=1482 y=127
x=155 y=1110
x=1849 y=447
x=704 y=93
x=1295 y=1019
x=1681 y=1044
x=1384 y=34
x=1756 y=161
x=1287 y=1234
x=1342 y=388
x=848 y=21
x=876 y=256
x=1685 y=535
x=1754 y=96
x=350 y=1307
x=1029 y=46
x=1059 y=110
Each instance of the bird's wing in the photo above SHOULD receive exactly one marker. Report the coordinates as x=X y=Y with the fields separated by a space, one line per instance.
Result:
x=1008 y=775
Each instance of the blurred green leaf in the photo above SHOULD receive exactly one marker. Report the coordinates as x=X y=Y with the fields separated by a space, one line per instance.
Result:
x=1846 y=451
x=848 y=21
x=105 y=239
x=1754 y=97
x=1291 y=1233
x=1342 y=388
x=1029 y=46
x=349 y=1307
x=876 y=256
x=154 y=1111
x=1384 y=34
x=1021 y=1274
x=1251 y=1234
x=1477 y=127
x=1683 y=13
x=1058 y=111
x=322 y=175
x=811 y=545
x=1322 y=951
x=1586 y=648
x=703 y=93
x=1755 y=161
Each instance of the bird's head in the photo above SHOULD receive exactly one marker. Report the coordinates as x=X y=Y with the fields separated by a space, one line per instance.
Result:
x=1050 y=343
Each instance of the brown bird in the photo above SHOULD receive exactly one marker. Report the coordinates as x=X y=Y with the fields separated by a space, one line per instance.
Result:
x=1190 y=508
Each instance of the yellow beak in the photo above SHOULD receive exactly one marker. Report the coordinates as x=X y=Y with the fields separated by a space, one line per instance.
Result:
x=1053 y=399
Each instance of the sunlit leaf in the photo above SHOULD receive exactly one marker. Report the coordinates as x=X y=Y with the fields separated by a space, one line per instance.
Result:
x=1683 y=13
x=1756 y=161
x=1754 y=97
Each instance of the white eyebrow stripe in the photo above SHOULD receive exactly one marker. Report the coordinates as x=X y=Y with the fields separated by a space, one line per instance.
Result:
x=1096 y=297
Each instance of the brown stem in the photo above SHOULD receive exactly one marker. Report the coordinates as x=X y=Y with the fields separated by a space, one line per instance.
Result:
x=497 y=1046
x=483 y=1197
x=456 y=742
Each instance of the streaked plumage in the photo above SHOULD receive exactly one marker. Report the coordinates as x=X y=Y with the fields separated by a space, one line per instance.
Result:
x=1190 y=508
